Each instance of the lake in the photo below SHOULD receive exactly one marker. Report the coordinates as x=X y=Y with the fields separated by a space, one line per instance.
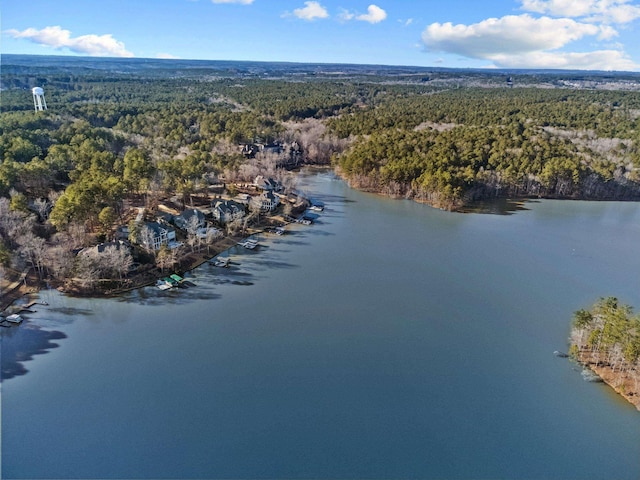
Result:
x=387 y=340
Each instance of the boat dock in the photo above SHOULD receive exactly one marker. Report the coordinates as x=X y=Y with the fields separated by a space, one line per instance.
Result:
x=15 y=317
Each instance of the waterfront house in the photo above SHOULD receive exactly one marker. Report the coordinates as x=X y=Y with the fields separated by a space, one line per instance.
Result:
x=268 y=184
x=267 y=201
x=188 y=218
x=154 y=235
x=225 y=211
x=205 y=233
x=102 y=247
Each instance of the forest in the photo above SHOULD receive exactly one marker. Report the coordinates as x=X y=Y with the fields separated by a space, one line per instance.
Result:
x=120 y=133
x=606 y=337
x=454 y=147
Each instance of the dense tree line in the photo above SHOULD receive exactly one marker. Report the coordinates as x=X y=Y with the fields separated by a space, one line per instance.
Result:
x=453 y=147
x=608 y=335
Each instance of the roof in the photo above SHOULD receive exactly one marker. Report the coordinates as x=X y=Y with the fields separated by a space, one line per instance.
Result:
x=100 y=248
x=267 y=183
x=156 y=228
x=228 y=205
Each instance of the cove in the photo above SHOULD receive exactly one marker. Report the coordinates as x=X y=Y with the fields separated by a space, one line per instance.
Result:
x=387 y=340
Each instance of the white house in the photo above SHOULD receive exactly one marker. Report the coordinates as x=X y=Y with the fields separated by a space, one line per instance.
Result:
x=267 y=201
x=154 y=235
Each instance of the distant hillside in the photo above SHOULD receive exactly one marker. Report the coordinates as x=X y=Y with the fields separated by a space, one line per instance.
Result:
x=167 y=68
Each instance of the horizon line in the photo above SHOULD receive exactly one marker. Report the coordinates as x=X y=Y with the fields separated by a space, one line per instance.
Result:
x=291 y=62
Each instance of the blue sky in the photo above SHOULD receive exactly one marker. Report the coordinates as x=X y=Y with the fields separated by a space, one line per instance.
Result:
x=575 y=34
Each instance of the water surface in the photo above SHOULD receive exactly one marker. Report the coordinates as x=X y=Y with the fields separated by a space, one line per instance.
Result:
x=387 y=340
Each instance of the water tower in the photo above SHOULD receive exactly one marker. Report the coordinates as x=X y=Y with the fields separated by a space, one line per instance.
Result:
x=38 y=99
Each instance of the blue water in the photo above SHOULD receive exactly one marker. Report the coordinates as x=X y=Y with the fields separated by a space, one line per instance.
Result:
x=387 y=340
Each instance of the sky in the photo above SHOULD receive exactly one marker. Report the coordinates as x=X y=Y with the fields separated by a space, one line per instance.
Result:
x=506 y=34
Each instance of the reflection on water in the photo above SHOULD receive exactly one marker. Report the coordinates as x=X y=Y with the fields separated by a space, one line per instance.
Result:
x=70 y=311
x=20 y=344
x=151 y=296
x=499 y=206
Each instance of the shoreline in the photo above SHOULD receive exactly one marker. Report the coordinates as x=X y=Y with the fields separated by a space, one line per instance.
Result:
x=18 y=289
x=619 y=381
x=478 y=205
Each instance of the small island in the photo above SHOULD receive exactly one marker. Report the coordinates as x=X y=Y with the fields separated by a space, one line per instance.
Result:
x=606 y=340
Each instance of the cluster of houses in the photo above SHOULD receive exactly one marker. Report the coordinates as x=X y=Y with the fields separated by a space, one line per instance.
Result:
x=194 y=221
x=289 y=155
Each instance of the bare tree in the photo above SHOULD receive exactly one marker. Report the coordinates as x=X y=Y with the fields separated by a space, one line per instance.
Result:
x=59 y=261
x=192 y=227
x=116 y=260
x=42 y=208
x=212 y=235
x=87 y=271
x=167 y=257
x=54 y=196
x=247 y=172
x=14 y=224
x=78 y=236
x=32 y=248
x=234 y=227
x=146 y=238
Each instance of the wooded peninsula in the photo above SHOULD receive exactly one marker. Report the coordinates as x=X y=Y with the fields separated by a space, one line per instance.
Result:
x=126 y=146
x=606 y=339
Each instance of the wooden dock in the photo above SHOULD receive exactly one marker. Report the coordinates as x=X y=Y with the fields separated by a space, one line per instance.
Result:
x=26 y=308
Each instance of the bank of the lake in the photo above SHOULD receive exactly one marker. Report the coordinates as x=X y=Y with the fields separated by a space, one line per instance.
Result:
x=481 y=198
x=386 y=340
x=28 y=283
x=621 y=382
x=605 y=339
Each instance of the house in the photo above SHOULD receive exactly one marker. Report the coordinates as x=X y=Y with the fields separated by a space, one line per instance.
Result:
x=268 y=184
x=122 y=232
x=190 y=218
x=102 y=247
x=267 y=201
x=225 y=211
x=249 y=151
x=242 y=198
x=154 y=235
x=275 y=148
x=204 y=233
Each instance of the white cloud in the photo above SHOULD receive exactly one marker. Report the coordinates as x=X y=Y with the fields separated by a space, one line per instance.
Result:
x=346 y=15
x=522 y=41
x=311 y=11
x=596 y=60
x=241 y=2
x=167 y=56
x=374 y=15
x=607 y=32
x=607 y=11
x=564 y=8
x=58 y=38
x=511 y=34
